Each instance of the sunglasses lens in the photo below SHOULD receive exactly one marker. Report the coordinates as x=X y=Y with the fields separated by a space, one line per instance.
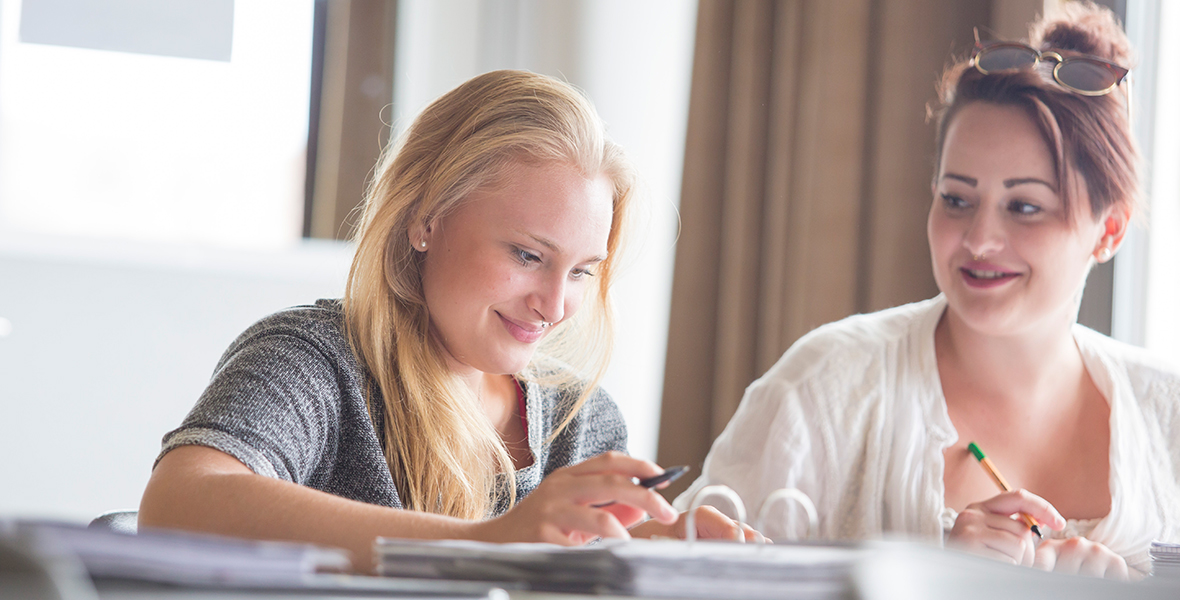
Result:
x=1003 y=58
x=1086 y=76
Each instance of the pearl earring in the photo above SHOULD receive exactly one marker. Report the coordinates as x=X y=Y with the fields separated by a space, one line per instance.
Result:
x=1104 y=254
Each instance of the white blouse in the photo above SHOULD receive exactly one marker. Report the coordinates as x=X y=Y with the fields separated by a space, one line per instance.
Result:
x=853 y=415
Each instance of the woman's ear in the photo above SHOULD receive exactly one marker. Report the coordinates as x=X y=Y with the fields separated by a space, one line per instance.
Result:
x=419 y=235
x=1114 y=230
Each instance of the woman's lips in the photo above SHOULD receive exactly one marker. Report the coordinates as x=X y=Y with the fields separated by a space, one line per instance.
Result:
x=985 y=275
x=522 y=332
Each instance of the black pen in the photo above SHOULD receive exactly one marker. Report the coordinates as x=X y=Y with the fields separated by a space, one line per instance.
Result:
x=670 y=474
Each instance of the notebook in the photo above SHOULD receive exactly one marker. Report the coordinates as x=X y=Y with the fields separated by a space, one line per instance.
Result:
x=1165 y=559
x=653 y=568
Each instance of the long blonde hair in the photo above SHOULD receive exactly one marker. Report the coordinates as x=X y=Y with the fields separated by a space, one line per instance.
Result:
x=444 y=454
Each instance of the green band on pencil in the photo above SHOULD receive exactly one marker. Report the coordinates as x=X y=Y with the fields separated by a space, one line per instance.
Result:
x=999 y=479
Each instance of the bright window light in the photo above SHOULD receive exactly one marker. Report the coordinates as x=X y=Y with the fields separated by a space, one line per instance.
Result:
x=105 y=144
x=1163 y=287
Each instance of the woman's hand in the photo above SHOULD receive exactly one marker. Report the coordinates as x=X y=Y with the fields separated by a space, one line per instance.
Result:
x=569 y=506
x=710 y=523
x=988 y=528
x=1080 y=556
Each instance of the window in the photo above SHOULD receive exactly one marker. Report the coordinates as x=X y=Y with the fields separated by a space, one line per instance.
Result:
x=101 y=142
x=1160 y=139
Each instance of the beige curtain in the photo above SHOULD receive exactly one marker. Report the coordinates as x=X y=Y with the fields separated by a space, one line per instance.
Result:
x=806 y=186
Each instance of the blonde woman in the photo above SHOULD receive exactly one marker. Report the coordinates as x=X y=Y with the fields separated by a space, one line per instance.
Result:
x=452 y=392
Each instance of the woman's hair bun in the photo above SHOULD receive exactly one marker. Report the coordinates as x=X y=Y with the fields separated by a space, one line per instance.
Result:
x=1084 y=27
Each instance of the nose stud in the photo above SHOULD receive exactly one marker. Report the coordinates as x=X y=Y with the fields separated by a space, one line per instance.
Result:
x=979 y=256
x=545 y=324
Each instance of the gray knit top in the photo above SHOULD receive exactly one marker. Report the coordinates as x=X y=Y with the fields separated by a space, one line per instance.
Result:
x=288 y=400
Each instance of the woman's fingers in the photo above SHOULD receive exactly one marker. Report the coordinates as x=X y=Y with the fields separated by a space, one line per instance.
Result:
x=1081 y=556
x=994 y=535
x=597 y=490
x=594 y=498
x=628 y=515
x=615 y=462
x=1046 y=558
x=711 y=523
x=754 y=536
x=996 y=526
x=609 y=478
x=582 y=523
x=1021 y=501
x=1117 y=569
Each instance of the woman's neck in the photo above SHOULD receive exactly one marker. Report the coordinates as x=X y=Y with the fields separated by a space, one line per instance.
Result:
x=496 y=394
x=1021 y=373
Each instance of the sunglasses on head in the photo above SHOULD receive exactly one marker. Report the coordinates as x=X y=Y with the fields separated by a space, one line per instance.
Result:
x=1079 y=73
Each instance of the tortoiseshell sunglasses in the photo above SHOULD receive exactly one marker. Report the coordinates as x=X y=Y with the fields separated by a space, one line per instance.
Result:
x=1079 y=73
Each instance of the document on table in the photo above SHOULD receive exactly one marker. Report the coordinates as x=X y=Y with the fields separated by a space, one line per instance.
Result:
x=655 y=568
x=183 y=558
x=207 y=561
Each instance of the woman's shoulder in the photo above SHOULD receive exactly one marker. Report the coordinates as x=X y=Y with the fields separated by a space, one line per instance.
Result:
x=324 y=316
x=1154 y=379
x=838 y=348
x=597 y=425
x=1140 y=364
x=322 y=321
x=317 y=328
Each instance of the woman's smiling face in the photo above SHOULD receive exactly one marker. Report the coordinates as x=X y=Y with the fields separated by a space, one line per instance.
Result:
x=1006 y=253
x=511 y=258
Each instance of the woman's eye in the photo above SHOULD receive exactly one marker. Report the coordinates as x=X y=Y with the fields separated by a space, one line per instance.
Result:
x=1023 y=208
x=580 y=273
x=524 y=256
x=954 y=202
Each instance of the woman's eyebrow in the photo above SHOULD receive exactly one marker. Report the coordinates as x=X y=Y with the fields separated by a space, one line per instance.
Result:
x=971 y=181
x=551 y=245
x=1023 y=180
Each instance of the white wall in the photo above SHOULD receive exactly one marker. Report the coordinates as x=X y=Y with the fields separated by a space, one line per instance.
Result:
x=634 y=61
x=109 y=344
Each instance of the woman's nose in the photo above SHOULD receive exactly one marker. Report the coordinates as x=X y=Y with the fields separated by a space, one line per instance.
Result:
x=548 y=300
x=985 y=234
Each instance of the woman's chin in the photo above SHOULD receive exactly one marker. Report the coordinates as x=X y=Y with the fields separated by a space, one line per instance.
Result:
x=987 y=316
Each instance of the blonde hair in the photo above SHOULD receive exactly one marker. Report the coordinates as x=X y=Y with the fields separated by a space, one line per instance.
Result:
x=444 y=454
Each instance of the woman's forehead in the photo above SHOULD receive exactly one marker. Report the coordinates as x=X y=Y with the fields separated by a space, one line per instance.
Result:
x=993 y=140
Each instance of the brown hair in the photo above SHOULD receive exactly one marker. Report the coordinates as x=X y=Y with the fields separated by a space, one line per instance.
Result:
x=1089 y=136
x=443 y=453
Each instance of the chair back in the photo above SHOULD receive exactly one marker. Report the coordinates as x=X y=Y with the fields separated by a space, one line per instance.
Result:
x=118 y=521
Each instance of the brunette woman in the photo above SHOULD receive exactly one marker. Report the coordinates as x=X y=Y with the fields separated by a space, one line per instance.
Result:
x=1037 y=179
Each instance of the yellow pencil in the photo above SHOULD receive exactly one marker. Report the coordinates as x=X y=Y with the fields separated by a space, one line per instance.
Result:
x=1000 y=481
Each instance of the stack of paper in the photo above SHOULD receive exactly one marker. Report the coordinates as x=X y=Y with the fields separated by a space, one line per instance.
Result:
x=636 y=567
x=182 y=558
x=1165 y=559
x=157 y=561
